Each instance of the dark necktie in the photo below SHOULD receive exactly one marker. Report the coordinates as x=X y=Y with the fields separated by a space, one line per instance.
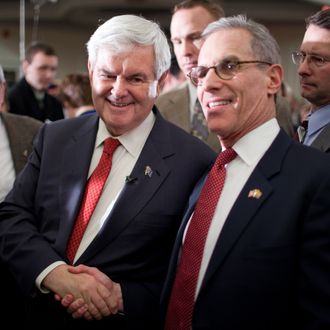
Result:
x=198 y=125
x=181 y=303
x=92 y=194
x=301 y=132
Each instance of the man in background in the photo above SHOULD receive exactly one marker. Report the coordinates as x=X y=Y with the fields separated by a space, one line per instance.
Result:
x=29 y=96
x=313 y=61
x=180 y=105
x=16 y=135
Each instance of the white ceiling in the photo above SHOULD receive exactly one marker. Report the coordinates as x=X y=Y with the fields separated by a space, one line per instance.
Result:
x=89 y=12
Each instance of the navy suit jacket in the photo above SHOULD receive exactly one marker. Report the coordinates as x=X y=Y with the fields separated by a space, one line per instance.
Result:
x=270 y=268
x=133 y=247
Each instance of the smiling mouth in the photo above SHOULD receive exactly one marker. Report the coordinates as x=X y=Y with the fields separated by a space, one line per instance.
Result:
x=119 y=104
x=218 y=103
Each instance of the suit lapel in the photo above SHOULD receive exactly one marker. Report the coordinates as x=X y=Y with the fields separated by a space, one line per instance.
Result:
x=74 y=172
x=246 y=208
x=322 y=141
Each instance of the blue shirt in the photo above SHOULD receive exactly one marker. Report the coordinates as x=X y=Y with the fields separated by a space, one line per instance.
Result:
x=316 y=122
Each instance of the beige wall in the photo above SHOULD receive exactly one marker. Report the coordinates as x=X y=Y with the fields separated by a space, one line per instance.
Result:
x=69 y=43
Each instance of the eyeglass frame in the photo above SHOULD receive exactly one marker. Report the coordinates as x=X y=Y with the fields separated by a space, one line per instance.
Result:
x=232 y=62
x=313 y=58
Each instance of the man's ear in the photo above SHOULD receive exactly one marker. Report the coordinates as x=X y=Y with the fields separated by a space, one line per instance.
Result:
x=90 y=70
x=275 y=77
x=161 y=82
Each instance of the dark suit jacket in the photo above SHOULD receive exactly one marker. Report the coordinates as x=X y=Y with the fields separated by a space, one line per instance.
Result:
x=322 y=141
x=23 y=102
x=133 y=247
x=270 y=267
x=174 y=106
x=20 y=130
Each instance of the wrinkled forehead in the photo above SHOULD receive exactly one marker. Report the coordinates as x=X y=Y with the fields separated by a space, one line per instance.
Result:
x=226 y=43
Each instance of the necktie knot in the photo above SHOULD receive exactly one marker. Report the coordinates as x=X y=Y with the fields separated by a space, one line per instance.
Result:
x=302 y=131
x=110 y=145
x=304 y=124
x=226 y=156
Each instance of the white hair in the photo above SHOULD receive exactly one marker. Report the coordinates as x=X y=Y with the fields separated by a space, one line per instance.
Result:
x=122 y=33
x=263 y=44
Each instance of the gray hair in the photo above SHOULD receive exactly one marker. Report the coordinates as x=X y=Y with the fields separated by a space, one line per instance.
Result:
x=263 y=44
x=2 y=75
x=122 y=33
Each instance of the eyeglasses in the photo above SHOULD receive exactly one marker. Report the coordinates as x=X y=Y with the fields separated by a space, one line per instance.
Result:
x=316 y=60
x=225 y=70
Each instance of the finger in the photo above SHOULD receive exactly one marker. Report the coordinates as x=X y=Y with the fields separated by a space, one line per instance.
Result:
x=94 y=311
x=67 y=300
x=75 y=305
x=81 y=312
x=88 y=316
x=57 y=297
x=111 y=302
x=99 y=302
x=82 y=269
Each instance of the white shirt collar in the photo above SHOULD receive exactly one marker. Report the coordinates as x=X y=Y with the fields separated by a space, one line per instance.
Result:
x=252 y=146
x=133 y=140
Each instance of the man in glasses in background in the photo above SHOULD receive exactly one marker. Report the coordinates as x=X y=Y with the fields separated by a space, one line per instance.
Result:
x=313 y=62
x=254 y=246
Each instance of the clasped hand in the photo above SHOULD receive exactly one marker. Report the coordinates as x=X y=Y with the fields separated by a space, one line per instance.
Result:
x=85 y=291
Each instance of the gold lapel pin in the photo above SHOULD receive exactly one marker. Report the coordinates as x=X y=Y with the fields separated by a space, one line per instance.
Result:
x=148 y=171
x=255 y=193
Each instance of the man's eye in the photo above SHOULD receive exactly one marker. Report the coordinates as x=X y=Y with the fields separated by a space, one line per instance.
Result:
x=135 y=80
x=228 y=66
x=107 y=76
x=176 y=42
x=201 y=72
x=317 y=59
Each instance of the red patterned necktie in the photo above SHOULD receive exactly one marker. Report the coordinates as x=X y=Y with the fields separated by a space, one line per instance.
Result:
x=92 y=194
x=181 y=304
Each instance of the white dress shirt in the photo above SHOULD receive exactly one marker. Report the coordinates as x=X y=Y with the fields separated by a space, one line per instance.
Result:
x=250 y=149
x=123 y=162
x=7 y=173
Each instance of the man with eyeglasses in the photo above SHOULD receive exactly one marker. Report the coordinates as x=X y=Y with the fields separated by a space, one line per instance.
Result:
x=254 y=246
x=313 y=61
